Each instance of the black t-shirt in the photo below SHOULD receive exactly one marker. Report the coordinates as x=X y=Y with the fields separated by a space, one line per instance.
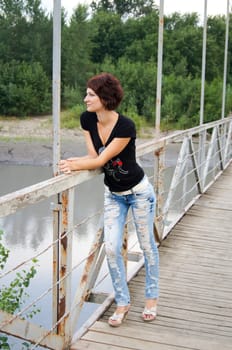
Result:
x=122 y=172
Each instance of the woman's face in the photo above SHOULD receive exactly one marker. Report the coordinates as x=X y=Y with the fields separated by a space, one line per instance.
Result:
x=92 y=101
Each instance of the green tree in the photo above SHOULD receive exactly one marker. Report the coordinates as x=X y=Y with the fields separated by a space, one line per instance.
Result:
x=108 y=36
x=141 y=35
x=215 y=47
x=182 y=43
x=76 y=51
x=135 y=38
x=135 y=8
x=25 y=33
x=181 y=100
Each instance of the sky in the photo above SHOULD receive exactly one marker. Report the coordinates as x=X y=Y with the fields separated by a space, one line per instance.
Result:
x=183 y=6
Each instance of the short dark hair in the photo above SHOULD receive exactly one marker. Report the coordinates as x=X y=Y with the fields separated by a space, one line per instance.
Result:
x=108 y=88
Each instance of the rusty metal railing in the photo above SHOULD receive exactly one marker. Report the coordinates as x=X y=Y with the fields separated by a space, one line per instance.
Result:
x=182 y=166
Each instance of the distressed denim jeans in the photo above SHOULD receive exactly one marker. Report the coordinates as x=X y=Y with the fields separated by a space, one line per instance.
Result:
x=142 y=204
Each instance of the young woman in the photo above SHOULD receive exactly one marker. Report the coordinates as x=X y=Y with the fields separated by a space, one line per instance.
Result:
x=110 y=139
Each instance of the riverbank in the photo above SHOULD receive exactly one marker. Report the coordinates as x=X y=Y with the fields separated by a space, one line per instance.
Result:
x=29 y=141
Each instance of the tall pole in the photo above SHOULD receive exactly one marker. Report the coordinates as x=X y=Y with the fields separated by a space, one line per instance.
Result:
x=225 y=60
x=56 y=83
x=203 y=65
x=56 y=150
x=202 y=135
x=159 y=66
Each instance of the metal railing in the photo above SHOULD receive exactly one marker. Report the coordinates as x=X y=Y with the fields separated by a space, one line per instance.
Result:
x=182 y=166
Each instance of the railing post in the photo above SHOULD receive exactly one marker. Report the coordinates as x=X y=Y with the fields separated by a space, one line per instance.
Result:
x=62 y=263
x=159 y=190
x=228 y=147
x=125 y=246
x=56 y=230
x=65 y=268
x=88 y=278
x=201 y=153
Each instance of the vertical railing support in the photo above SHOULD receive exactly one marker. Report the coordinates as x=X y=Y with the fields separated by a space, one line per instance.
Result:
x=56 y=229
x=228 y=143
x=65 y=264
x=209 y=156
x=196 y=167
x=201 y=153
x=159 y=190
x=180 y=165
x=88 y=278
x=63 y=213
x=125 y=245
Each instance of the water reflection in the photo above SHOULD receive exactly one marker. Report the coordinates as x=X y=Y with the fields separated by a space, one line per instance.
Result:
x=28 y=227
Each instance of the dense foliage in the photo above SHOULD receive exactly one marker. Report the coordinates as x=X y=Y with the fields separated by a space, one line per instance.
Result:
x=119 y=37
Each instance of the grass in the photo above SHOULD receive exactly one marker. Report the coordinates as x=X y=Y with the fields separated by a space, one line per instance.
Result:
x=70 y=119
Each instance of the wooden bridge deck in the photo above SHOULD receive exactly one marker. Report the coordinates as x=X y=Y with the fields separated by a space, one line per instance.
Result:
x=195 y=306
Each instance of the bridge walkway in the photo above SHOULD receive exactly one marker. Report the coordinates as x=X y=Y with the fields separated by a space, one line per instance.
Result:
x=195 y=305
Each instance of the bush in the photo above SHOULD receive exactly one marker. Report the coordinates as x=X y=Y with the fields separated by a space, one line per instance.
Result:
x=24 y=89
x=71 y=97
x=70 y=119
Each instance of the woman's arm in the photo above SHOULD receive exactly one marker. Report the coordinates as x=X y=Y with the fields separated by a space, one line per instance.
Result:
x=94 y=161
x=66 y=165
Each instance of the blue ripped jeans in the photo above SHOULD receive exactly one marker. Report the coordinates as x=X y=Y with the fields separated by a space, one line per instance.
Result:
x=142 y=204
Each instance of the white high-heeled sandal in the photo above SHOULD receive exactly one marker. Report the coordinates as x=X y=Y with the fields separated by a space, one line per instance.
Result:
x=117 y=319
x=149 y=315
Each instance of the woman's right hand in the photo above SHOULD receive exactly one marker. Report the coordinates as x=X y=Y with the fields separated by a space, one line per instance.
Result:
x=65 y=166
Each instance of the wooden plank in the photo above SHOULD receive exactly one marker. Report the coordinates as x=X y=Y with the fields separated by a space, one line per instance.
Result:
x=139 y=338
x=128 y=341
